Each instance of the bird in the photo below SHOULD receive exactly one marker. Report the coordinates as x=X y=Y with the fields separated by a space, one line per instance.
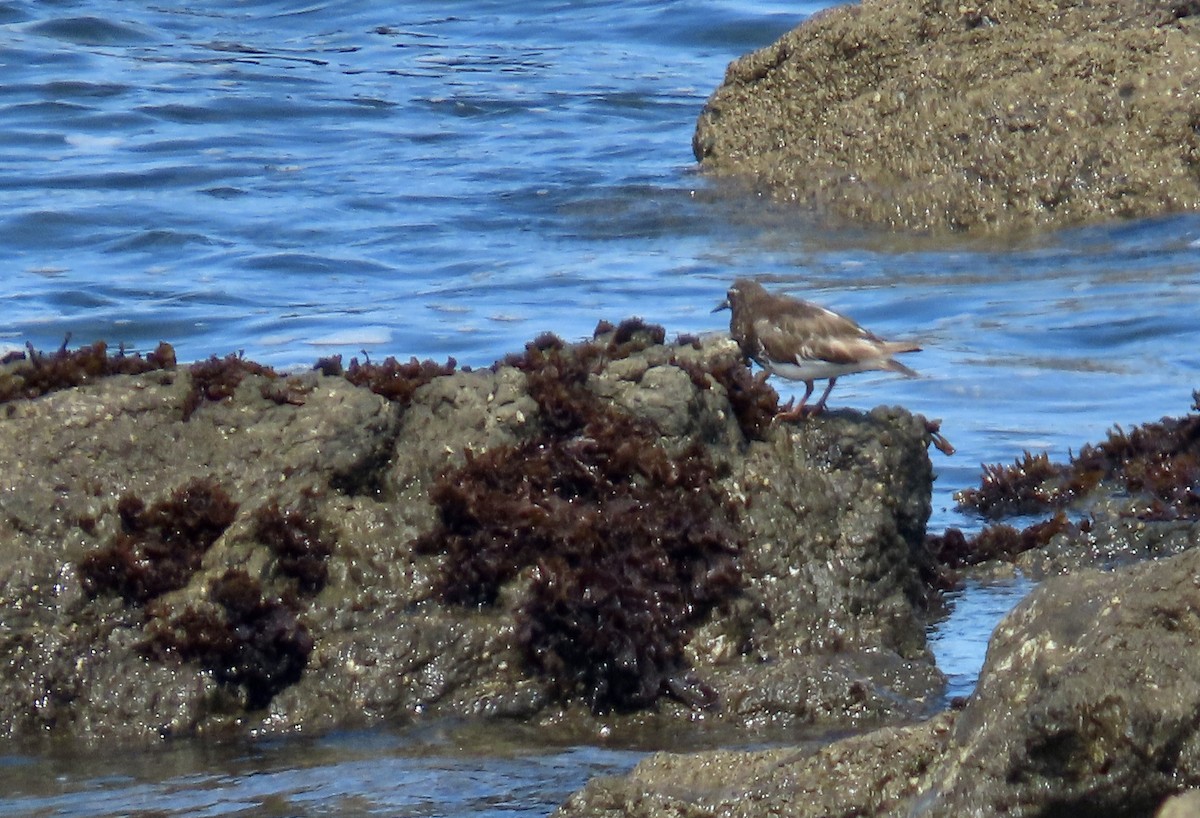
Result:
x=802 y=341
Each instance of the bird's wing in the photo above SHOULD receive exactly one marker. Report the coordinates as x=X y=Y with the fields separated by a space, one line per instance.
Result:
x=815 y=333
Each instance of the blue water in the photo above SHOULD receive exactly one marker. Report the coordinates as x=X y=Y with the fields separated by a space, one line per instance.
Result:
x=959 y=643
x=432 y=179
x=410 y=178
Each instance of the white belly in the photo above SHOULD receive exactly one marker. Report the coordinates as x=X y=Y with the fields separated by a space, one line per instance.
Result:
x=819 y=370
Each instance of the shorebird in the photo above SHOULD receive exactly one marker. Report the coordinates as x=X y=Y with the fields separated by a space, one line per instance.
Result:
x=801 y=341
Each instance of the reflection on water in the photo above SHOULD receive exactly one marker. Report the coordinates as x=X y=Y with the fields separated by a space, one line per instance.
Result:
x=423 y=772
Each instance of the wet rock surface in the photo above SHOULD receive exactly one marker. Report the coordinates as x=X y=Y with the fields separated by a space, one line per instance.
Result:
x=1087 y=702
x=1086 y=705
x=240 y=555
x=874 y=774
x=944 y=116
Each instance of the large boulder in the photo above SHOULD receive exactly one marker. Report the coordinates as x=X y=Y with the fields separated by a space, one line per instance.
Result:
x=939 y=115
x=1088 y=701
x=581 y=534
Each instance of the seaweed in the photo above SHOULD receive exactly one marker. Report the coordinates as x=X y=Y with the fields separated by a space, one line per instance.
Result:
x=1156 y=465
x=954 y=549
x=630 y=337
x=218 y=378
x=1159 y=461
x=295 y=537
x=1028 y=486
x=33 y=374
x=557 y=373
x=160 y=547
x=330 y=367
x=243 y=639
x=626 y=546
x=391 y=379
x=753 y=401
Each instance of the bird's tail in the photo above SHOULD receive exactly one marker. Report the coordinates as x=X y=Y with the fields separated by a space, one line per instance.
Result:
x=895 y=348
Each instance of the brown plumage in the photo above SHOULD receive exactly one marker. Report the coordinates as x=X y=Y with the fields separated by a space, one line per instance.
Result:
x=801 y=341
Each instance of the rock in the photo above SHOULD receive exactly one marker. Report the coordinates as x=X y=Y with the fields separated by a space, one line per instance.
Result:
x=1086 y=705
x=1113 y=539
x=1087 y=701
x=306 y=604
x=843 y=475
x=873 y=774
x=1184 y=805
x=1128 y=498
x=982 y=117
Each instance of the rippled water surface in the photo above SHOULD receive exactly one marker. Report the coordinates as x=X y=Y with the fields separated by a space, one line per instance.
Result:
x=429 y=772
x=431 y=179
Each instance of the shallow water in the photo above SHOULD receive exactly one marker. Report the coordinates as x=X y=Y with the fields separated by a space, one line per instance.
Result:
x=439 y=771
x=959 y=642
x=420 y=179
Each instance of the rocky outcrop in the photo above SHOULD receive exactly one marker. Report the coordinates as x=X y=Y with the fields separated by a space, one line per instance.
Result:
x=1128 y=498
x=977 y=117
x=873 y=774
x=1088 y=704
x=194 y=550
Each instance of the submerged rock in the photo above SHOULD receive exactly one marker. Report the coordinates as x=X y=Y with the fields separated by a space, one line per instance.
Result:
x=873 y=774
x=978 y=117
x=197 y=550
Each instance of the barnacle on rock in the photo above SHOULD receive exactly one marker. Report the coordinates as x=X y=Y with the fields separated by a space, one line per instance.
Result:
x=160 y=547
x=627 y=546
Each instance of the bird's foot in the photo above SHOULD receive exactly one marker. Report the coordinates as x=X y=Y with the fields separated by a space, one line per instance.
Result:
x=787 y=413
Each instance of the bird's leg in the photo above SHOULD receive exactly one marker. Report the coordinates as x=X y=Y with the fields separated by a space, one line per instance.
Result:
x=760 y=380
x=820 y=407
x=788 y=413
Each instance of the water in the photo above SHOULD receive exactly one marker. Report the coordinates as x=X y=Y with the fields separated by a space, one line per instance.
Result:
x=298 y=180
x=959 y=643
x=430 y=772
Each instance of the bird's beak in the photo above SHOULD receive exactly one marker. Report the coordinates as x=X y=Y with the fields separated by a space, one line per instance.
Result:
x=724 y=305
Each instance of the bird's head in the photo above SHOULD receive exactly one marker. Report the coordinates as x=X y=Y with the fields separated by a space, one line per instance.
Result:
x=740 y=292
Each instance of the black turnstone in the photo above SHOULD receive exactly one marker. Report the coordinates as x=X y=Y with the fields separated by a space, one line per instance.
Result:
x=801 y=341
